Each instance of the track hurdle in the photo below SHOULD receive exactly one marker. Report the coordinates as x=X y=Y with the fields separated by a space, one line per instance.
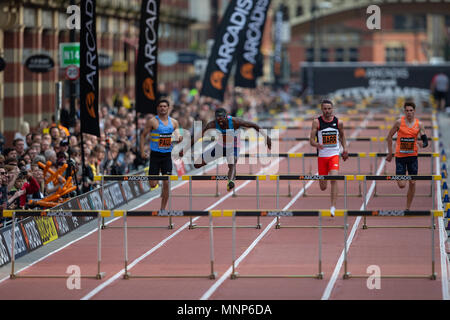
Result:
x=268 y=213
x=358 y=155
x=395 y=178
x=376 y=155
x=138 y=178
x=55 y=213
x=168 y=213
x=256 y=178
x=395 y=213
x=304 y=178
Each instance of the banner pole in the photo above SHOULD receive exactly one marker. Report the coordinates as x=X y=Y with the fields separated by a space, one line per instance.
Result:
x=13 y=240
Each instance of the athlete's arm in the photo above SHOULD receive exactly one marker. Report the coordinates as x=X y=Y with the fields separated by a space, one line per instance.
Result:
x=342 y=140
x=147 y=129
x=176 y=134
x=237 y=123
x=391 y=133
x=423 y=136
x=312 y=136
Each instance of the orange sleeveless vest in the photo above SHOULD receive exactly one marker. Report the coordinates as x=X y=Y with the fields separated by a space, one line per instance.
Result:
x=407 y=139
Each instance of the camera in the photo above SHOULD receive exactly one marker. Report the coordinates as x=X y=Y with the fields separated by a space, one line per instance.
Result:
x=22 y=174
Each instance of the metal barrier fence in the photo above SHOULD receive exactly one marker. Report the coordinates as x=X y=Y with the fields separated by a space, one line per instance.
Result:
x=13 y=214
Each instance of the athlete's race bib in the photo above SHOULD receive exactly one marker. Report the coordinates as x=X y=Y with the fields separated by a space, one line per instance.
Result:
x=165 y=141
x=329 y=139
x=407 y=145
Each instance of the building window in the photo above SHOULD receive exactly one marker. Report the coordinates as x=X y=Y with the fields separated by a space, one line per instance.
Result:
x=395 y=54
x=339 y=54
x=405 y=22
x=310 y=54
x=324 y=54
x=353 y=54
x=299 y=11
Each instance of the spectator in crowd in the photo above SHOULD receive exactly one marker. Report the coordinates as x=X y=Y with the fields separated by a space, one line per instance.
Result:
x=10 y=153
x=19 y=146
x=24 y=130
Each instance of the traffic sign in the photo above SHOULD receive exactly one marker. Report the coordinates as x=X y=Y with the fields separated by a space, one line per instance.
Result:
x=72 y=72
x=69 y=54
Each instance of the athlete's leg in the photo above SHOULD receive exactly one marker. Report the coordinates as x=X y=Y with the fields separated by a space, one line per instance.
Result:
x=334 y=188
x=410 y=194
x=209 y=155
x=412 y=166
x=154 y=168
x=166 y=169
x=322 y=170
x=400 y=169
x=164 y=194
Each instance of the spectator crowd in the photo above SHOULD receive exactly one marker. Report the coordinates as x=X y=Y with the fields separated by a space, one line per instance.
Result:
x=24 y=179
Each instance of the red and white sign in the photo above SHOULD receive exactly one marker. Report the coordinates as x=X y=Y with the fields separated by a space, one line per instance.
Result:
x=72 y=72
x=179 y=165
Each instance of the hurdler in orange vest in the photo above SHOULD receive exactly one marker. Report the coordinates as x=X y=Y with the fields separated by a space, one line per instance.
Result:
x=408 y=129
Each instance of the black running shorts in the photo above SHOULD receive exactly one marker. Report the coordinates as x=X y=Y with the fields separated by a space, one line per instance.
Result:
x=406 y=164
x=160 y=162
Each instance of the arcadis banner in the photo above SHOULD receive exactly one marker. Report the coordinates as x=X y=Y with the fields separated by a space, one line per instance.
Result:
x=362 y=80
x=89 y=70
x=146 y=65
x=225 y=47
x=249 y=56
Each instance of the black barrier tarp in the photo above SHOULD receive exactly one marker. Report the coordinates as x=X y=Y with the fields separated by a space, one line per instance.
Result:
x=89 y=70
x=146 y=64
x=366 y=79
x=224 y=49
x=249 y=57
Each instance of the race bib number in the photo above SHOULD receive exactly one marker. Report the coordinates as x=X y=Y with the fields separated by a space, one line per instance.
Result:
x=407 y=145
x=165 y=141
x=329 y=139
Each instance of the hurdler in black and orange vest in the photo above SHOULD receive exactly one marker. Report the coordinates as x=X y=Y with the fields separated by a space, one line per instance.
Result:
x=408 y=130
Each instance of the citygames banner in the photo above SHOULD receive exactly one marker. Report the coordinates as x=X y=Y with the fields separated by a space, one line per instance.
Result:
x=249 y=59
x=356 y=80
x=89 y=70
x=146 y=65
x=225 y=47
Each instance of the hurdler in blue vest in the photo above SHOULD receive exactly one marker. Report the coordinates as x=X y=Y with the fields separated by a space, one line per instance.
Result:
x=163 y=133
x=227 y=126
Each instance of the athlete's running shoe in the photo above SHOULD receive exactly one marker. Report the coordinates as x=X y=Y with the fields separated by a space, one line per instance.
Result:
x=230 y=185
x=332 y=209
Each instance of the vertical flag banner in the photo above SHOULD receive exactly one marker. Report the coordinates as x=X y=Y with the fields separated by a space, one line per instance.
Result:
x=88 y=70
x=277 y=50
x=225 y=47
x=249 y=57
x=146 y=64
